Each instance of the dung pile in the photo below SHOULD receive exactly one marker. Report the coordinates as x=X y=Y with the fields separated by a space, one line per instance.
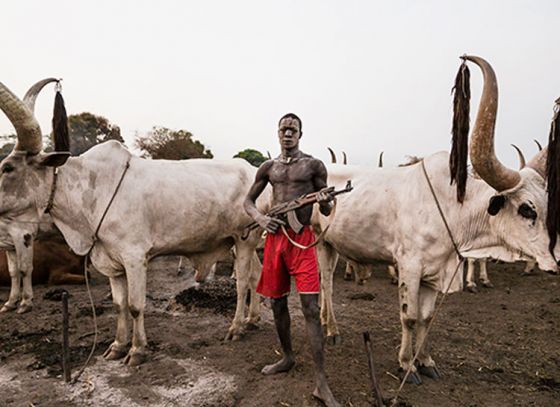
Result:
x=219 y=295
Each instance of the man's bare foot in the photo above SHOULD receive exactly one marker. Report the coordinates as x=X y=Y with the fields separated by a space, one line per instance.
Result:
x=324 y=394
x=282 y=366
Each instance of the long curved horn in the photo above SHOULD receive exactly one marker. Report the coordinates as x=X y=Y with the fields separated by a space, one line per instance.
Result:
x=333 y=156
x=344 y=160
x=21 y=116
x=483 y=156
x=538 y=144
x=380 y=161
x=33 y=92
x=538 y=162
x=521 y=156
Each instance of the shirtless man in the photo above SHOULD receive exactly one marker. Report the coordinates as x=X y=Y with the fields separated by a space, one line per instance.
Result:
x=292 y=174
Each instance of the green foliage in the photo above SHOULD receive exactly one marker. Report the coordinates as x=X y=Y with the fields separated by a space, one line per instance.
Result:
x=254 y=157
x=8 y=141
x=164 y=143
x=86 y=130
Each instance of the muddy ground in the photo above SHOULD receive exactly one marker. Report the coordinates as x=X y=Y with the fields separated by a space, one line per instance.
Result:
x=499 y=347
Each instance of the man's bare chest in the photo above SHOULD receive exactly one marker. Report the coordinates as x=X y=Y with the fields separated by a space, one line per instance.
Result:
x=297 y=172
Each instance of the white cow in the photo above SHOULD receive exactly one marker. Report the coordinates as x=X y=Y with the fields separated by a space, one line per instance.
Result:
x=192 y=208
x=17 y=237
x=498 y=253
x=391 y=215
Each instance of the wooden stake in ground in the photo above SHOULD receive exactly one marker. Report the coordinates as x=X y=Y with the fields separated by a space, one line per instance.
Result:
x=65 y=353
x=376 y=391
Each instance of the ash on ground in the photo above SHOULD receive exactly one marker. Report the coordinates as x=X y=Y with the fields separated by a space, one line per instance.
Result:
x=219 y=295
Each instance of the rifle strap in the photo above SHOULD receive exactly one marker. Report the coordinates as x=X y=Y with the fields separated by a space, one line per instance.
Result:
x=318 y=239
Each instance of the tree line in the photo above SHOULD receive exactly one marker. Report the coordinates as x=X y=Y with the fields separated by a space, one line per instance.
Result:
x=87 y=130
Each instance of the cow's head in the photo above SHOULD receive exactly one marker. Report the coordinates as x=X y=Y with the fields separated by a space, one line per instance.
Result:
x=518 y=210
x=25 y=173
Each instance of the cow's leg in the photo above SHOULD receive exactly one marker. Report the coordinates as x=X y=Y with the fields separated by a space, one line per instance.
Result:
x=393 y=273
x=310 y=308
x=244 y=255
x=24 y=255
x=484 y=280
x=119 y=291
x=408 y=300
x=348 y=272
x=425 y=364
x=471 y=285
x=136 y=278
x=327 y=258
x=15 y=276
x=255 y=304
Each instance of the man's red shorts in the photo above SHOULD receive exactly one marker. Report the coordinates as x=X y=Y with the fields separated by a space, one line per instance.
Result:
x=282 y=260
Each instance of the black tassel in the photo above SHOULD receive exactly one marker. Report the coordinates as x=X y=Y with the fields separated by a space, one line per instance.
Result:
x=553 y=179
x=460 y=131
x=60 y=124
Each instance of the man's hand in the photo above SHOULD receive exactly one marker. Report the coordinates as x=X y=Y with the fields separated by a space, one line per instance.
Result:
x=323 y=196
x=270 y=224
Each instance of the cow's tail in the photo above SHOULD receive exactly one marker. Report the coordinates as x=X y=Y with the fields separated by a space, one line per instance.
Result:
x=553 y=179
x=460 y=130
x=60 y=123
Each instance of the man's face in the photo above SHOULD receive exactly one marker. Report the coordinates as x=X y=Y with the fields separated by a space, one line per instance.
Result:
x=289 y=133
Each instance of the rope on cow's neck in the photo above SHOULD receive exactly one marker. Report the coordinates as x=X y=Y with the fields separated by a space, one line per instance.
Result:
x=94 y=240
x=445 y=293
x=441 y=211
x=53 y=189
x=318 y=239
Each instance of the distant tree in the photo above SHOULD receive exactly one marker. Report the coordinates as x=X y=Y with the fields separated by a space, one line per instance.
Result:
x=164 y=143
x=254 y=157
x=8 y=141
x=86 y=130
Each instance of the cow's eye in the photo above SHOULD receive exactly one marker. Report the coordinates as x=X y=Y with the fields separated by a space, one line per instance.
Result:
x=527 y=212
x=7 y=168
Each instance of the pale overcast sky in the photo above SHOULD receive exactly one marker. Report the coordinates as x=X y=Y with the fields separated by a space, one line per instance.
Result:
x=364 y=76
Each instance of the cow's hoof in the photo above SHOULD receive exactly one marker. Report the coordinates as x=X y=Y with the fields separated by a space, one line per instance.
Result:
x=333 y=340
x=234 y=334
x=429 y=371
x=472 y=289
x=348 y=277
x=394 y=281
x=487 y=284
x=135 y=358
x=8 y=307
x=114 y=353
x=24 y=308
x=412 y=378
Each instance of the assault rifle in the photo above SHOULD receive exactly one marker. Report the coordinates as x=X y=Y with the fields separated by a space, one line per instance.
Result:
x=290 y=206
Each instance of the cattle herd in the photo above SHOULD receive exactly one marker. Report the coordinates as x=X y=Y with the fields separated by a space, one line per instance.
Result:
x=121 y=211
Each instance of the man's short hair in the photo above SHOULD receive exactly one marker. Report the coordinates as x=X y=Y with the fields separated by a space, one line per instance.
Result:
x=292 y=116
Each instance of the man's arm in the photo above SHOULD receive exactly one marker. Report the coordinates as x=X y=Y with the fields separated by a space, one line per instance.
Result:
x=320 y=182
x=261 y=179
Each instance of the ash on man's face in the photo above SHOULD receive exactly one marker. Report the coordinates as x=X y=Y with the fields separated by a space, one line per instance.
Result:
x=289 y=133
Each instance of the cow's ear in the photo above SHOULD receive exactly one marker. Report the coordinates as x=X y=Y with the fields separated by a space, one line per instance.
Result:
x=55 y=159
x=497 y=202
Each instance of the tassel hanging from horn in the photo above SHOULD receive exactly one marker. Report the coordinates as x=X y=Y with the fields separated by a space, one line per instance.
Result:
x=553 y=179
x=460 y=131
x=60 y=123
